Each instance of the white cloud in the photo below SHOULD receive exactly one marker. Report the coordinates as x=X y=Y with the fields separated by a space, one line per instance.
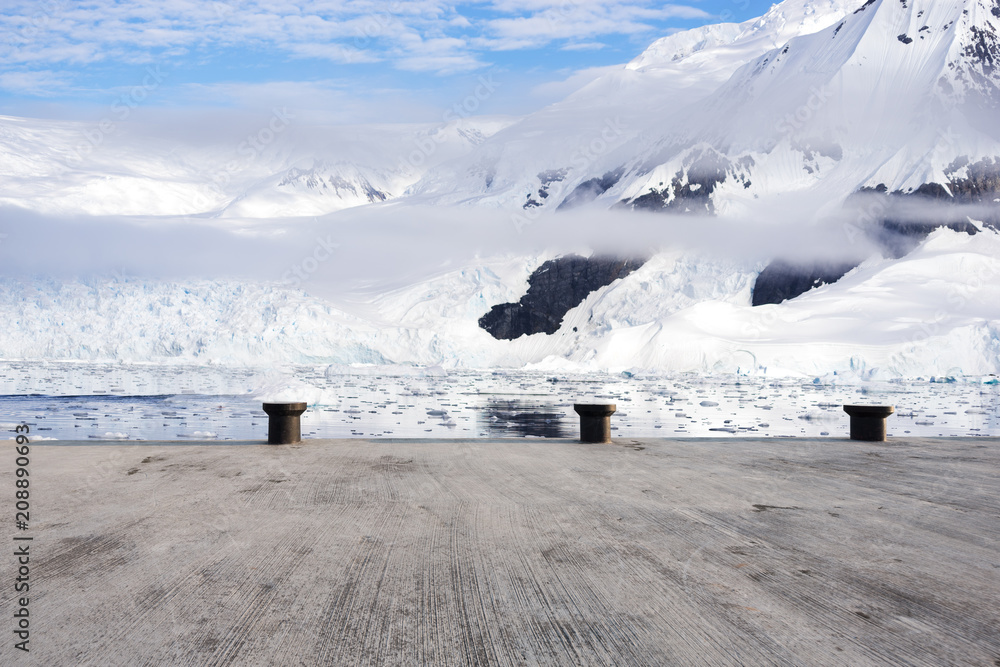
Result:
x=38 y=83
x=422 y=35
x=545 y=22
x=583 y=46
x=554 y=90
x=327 y=101
x=445 y=55
x=334 y=53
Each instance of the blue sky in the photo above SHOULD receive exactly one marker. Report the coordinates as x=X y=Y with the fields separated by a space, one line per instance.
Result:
x=337 y=61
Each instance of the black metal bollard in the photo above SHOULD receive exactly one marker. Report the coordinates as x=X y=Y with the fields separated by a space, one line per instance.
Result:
x=283 y=423
x=595 y=421
x=868 y=421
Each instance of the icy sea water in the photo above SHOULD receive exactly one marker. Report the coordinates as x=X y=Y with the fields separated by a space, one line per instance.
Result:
x=91 y=401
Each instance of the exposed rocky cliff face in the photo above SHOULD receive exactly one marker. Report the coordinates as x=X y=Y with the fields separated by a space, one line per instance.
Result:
x=691 y=187
x=972 y=191
x=545 y=181
x=591 y=189
x=323 y=179
x=553 y=289
x=781 y=280
x=896 y=238
x=899 y=238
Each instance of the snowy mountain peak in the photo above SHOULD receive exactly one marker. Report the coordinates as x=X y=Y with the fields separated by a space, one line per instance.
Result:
x=793 y=18
x=778 y=120
x=76 y=167
x=589 y=138
x=682 y=45
x=824 y=95
x=887 y=96
x=957 y=39
x=781 y=23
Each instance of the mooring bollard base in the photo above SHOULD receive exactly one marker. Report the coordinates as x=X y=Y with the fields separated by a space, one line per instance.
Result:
x=868 y=421
x=283 y=423
x=595 y=421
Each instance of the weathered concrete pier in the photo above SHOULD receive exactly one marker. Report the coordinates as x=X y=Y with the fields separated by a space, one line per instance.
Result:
x=530 y=552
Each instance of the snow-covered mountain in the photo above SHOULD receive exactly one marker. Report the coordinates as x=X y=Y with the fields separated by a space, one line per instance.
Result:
x=774 y=125
x=895 y=95
x=920 y=315
x=538 y=161
x=826 y=97
x=382 y=162
x=272 y=168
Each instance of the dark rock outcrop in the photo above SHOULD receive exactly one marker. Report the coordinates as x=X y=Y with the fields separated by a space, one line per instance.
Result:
x=591 y=189
x=323 y=179
x=898 y=238
x=781 y=280
x=864 y=6
x=691 y=188
x=553 y=289
x=545 y=180
x=895 y=230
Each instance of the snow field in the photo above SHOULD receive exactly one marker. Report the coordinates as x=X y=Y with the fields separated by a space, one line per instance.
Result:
x=934 y=312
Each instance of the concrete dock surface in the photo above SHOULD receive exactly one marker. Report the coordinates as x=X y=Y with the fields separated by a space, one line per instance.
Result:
x=530 y=552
